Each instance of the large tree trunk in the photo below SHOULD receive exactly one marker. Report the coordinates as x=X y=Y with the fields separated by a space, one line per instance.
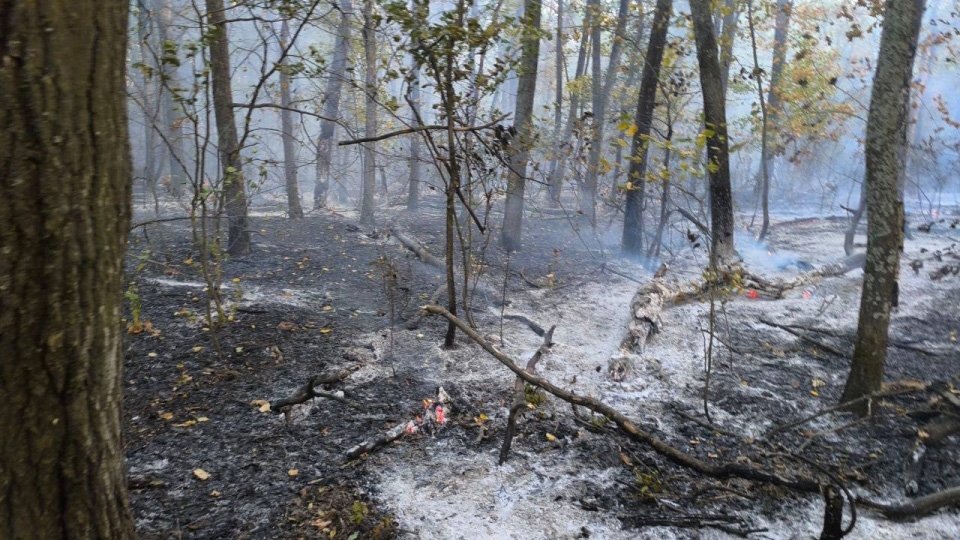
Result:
x=520 y=153
x=370 y=112
x=886 y=134
x=601 y=98
x=784 y=10
x=632 y=242
x=234 y=191
x=331 y=105
x=294 y=210
x=64 y=217
x=715 y=121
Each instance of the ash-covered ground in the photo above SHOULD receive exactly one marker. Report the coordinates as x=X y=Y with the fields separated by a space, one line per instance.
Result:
x=312 y=298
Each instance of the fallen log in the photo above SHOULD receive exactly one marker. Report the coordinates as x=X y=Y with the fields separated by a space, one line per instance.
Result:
x=777 y=288
x=416 y=247
x=520 y=395
x=645 y=308
x=915 y=508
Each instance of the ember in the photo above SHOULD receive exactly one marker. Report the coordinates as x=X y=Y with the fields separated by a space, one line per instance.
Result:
x=753 y=294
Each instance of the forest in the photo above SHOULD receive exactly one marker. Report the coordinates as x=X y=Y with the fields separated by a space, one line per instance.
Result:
x=479 y=269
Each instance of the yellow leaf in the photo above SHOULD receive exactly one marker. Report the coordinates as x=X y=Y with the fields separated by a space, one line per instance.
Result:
x=261 y=404
x=551 y=437
x=188 y=262
x=152 y=355
x=327 y=308
x=630 y=131
x=188 y=423
x=201 y=474
x=215 y=493
x=236 y=280
x=293 y=472
x=325 y=330
x=814 y=393
x=167 y=416
x=197 y=349
x=203 y=419
x=817 y=383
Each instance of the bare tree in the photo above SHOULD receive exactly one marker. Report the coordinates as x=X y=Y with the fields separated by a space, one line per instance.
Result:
x=227 y=142
x=715 y=120
x=772 y=110
x=886 y=135
x=523 y=117
x=370 y=113
x=331 y=104
x=64 y=218
x=632 y=242
x=294 y=210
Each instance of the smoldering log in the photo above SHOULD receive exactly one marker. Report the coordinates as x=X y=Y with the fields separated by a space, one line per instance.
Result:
x=416 y=247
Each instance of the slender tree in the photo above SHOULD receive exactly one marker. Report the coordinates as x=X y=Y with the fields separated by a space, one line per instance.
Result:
x=413 y=97
x=728 y=35
x=601 y=98
x=523 y=117
x=370 y=113
x=173 y=117
x=64 y=218
x=294 y=210
x=228 y=144
x=772 y=110
x=886 y=135
x=331 y=105
x=715 y=122
x=632 y=242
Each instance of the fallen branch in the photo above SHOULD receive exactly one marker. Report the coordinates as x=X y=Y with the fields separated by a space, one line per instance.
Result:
x=804 y=337
x=384 y=439
x=520 y=397
x=309 y=391
x=777 y=288
x=915 y=508
x=414 y=323
x=417 y=129
x=722 y=471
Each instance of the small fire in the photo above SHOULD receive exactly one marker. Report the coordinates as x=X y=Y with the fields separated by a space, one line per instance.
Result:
x=753 y=294
x=807 y=295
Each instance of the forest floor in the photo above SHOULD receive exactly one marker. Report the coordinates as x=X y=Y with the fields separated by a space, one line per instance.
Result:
x=206 y=461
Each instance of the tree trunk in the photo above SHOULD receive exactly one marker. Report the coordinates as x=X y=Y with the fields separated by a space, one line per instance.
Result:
x=413 y=196
x=64 y=218
x=601 y=98
x=294 y=210
x=149 y=106
x=784 y=10
x=557 y=105
x=331 y=105
x=715 y=121
x=886 y=134
x=173 y=118
x=588 y=190
x=632 y=242
x=728 y=36
x=557 y=174
x=229 y=146
x=764 y=162
x=523 y=116
x=370 y=112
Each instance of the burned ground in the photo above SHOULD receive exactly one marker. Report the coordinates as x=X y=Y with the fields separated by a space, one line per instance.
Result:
x=312 y=298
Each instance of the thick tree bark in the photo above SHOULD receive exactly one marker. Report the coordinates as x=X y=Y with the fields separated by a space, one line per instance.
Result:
x=331 y=105
x=294 y=210
x=715 y=120
x=523 y=116
x=370 y=112
x=234 y=192
x=886 y=134
x=64 y=216
x=632 y=242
